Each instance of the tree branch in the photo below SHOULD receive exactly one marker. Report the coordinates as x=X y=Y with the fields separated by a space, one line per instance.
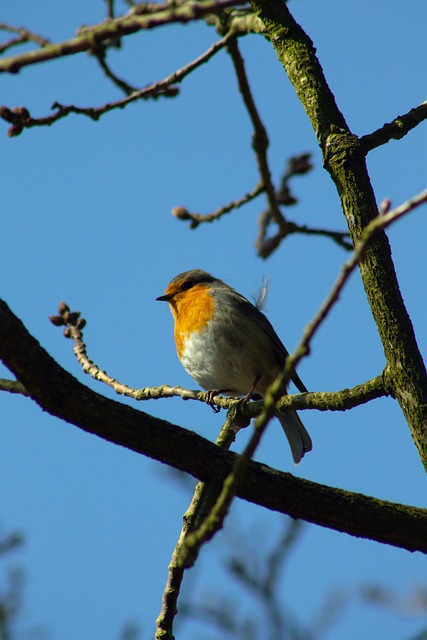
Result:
x=13 y=386
x=23 y=35
x=260 y=140
x=344 y=158
x=60 y=394
x=394 y=130
x=323 y=401
x=20 y=117
x=181 y=213
x=91 y=37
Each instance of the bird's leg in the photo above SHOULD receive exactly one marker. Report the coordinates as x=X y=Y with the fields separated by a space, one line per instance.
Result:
x=210 y=398
x=252 y=389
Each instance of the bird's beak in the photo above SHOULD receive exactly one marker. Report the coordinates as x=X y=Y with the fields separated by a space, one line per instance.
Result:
x=164 y=298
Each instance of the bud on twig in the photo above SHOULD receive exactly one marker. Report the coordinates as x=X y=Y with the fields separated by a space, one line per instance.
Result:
x=63 y=308
x=58 y=321
x=181 y=213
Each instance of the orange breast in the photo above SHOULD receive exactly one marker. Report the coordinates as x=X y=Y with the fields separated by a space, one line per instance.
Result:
x=191 y=310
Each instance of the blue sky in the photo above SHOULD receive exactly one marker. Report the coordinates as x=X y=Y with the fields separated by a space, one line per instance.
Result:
x=86 y=219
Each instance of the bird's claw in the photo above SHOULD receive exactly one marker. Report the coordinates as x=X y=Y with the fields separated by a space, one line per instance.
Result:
x=209 y=399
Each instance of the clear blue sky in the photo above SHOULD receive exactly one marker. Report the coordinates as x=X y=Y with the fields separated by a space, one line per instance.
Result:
x=86 y=218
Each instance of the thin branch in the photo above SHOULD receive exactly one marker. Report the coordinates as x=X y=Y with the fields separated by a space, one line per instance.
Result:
x=20 y=117
x=110 y=9
x=396 y=129
x=341 y=238
x=181 y=213
x=91 y=37
x=24 y=35
x=381 y=222
x=119 y=82
x=260 y=141
x=266 y=246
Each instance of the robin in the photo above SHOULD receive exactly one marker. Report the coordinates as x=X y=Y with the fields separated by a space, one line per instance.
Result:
x=226 y=343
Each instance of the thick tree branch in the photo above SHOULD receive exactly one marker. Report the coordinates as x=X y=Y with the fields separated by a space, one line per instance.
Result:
x=60 y=394
x=344 y=158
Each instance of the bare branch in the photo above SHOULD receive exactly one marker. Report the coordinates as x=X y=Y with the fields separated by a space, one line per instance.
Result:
x=20 y=117
x=91 y=37
x=396 y=129
x=181 y=213
x=24 y=35
x=266 y=246
x=13 y=386
x=260 y=141
x=379 y=223
x=119 y=82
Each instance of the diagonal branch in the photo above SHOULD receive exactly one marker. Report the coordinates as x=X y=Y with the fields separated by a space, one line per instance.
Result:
x=396 y=129
x=181 y=213
x=91 y=37
x=23 y=35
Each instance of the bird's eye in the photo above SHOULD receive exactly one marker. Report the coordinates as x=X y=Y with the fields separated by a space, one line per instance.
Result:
x=187 y=284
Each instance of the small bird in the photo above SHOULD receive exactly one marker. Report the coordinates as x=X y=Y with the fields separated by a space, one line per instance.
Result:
x=227 y=344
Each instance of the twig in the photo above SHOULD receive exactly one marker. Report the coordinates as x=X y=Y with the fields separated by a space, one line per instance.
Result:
x=260 y=138
x=181 y=213
x=132 y=22
x=396 y=129
x=266 y=246
x=24 y=35
x=110 y=9
x=341 y=238
x=20 y=117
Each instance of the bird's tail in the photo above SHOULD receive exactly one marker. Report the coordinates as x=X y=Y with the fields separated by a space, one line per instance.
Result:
x=297 y=435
